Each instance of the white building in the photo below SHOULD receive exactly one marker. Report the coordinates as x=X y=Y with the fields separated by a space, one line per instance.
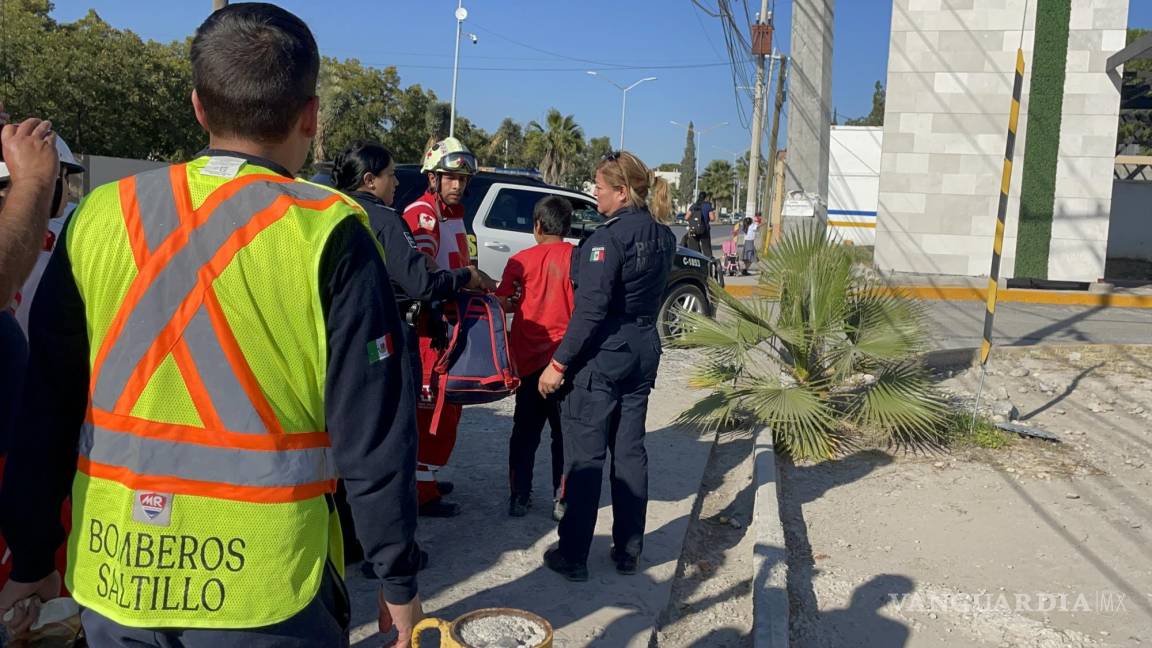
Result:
x=950 y=79
x=854 y=182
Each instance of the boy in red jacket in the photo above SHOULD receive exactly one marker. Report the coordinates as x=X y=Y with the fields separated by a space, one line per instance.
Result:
x=543 y=271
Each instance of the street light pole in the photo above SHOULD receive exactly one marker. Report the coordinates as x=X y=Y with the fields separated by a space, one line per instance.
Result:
x=623 y=104
x=461 y=15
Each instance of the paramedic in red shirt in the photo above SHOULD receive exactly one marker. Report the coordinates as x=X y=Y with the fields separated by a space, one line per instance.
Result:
x=543 y=274
x=437 y=223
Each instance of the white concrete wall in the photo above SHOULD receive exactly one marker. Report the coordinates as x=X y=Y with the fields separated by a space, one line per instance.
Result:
x=1084 y=170
x=854 y=182
x=1130 y=233
x=950 y=71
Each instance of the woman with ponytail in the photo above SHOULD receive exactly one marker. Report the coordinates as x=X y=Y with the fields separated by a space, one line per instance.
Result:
x=607 y=363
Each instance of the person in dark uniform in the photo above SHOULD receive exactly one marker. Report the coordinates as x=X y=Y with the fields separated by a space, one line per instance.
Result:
x=608 y=358
x=366 y=172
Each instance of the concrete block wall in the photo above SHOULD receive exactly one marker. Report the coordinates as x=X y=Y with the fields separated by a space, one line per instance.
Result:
x=1084 y=170
x=950 y=73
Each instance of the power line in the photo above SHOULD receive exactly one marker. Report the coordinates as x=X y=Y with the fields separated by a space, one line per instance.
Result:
x=548 y=52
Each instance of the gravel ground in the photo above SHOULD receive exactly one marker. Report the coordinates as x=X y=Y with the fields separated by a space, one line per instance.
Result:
x=484 y=559
x=1039 y=544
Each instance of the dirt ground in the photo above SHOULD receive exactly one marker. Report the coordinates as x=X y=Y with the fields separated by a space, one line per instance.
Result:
x=1038 y=544
x=711 y=601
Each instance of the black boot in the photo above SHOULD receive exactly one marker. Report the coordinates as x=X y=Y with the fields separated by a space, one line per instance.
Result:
x=575 y=572
x=438 y=508
x=625 y=563
x=518 y=505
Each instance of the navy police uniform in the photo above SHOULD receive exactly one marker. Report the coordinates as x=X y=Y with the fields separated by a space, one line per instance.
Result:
x=611 y=352
x=415 y=281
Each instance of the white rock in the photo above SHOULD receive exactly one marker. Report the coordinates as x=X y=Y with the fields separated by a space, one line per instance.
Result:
x=1018 y=372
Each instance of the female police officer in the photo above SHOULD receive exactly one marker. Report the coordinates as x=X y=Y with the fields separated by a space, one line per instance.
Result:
x=366 y=172
x=609 y=357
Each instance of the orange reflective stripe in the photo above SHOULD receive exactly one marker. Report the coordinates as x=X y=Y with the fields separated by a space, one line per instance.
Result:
x=130 y=209
x=168 y=336
x=196 y=389
x=239 y=364
x=178 y=173
x=257 y=494
x=217 y=438
x=161 y=256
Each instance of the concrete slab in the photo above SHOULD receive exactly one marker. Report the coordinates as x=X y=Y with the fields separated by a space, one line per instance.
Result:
x=483 y=558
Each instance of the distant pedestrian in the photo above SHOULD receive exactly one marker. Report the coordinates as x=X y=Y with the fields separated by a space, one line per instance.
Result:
x=543 y=274
x=700 y=217
x=609 y=358
x=751 y=229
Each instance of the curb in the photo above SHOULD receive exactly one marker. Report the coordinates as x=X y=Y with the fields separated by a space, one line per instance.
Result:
x=968 y=293
x=769 y=555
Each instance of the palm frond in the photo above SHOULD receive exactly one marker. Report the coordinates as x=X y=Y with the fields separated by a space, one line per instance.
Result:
x=802 y=422
x=714 y=371
x=716 y=410
x=901 y=404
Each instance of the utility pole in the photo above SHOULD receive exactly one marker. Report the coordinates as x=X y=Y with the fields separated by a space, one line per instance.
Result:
x=770 y=185
x=761 y=48
x=219 y=4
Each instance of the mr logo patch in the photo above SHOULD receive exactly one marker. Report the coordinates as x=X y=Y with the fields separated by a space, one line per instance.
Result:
x=150 y=507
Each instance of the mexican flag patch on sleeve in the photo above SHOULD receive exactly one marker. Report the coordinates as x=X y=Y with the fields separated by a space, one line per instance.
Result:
x=380 y=349
x=597 y=255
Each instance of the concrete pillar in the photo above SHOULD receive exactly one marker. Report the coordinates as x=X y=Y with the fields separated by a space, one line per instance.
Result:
x=810 y=97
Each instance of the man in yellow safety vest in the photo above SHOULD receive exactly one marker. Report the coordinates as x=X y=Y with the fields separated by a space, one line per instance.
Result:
x=213 y=344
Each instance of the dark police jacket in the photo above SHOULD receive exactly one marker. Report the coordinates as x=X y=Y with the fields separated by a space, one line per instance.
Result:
x=619 y=273
x=414 y=275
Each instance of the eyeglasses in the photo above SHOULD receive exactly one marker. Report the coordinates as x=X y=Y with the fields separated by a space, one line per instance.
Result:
x=611 y=156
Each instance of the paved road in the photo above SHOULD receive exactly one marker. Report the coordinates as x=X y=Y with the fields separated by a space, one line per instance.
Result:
x=961 y=323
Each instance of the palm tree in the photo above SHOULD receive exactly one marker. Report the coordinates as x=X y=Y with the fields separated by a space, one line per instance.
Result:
x=558 y=143
x=825 y=357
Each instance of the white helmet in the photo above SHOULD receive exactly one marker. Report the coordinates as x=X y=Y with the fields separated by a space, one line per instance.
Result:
x=68 y=161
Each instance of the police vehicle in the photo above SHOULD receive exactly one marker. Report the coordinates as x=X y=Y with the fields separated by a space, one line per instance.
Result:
x=498 y=217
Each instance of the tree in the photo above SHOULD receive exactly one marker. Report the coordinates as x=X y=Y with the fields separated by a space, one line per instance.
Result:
x=507 y=144
x=1135 y=132
x=356 y=102
x=668 y=166
x=824 y=357
x=594 y=151
x=106 y=91
x=408 y=133
x=688 y=167
x=557 y=144
x=876 y=117
x=718 y=180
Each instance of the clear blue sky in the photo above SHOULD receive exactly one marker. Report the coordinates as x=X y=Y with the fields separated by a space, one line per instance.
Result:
x=565 y=37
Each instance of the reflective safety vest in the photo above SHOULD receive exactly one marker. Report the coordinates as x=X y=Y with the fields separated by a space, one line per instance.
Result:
x=204 y=461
